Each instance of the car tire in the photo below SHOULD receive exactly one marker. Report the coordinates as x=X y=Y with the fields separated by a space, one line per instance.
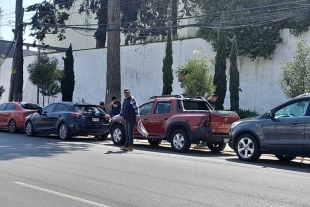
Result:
x=180 y=141
x=154 y=142
x=29 y=129
x=63 y=131
x=285 y=158
x=216 y=146
x=12 y=126
x=103 y=137
x=118 y=135
x=247 y=148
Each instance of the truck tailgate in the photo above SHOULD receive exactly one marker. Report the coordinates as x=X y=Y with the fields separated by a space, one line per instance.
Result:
x=221 y=121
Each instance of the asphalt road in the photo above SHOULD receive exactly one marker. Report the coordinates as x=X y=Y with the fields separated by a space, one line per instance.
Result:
x=44 y=171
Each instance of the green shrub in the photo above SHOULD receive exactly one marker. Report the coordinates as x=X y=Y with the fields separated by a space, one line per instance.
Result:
x=246 y=113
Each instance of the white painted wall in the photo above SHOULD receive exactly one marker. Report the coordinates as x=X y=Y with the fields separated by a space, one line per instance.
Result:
x=141 y=67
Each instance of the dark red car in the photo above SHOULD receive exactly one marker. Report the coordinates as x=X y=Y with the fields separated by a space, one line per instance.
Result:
x=13 y=115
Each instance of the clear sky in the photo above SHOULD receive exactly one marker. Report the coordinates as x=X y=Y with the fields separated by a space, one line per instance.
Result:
x=8 y=18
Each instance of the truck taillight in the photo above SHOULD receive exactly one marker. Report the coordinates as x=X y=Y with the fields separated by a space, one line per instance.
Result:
x=77 y=115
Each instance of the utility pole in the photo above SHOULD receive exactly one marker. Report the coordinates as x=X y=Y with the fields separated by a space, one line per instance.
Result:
x=16 y=86
x=113 y=78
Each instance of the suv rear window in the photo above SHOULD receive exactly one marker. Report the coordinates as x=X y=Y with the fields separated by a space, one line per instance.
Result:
x=195 y=105
x=88 y=108
x=29 y=106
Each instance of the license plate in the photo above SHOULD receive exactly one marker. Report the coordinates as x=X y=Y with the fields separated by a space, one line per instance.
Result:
x=95 y=119
x=226 y=140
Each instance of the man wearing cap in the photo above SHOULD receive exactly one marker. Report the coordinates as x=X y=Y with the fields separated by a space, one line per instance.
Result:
x=115 y=106
x=130 y=112
x=212 y=100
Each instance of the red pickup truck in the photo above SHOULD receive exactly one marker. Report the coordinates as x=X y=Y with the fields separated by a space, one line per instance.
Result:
x=182 y=121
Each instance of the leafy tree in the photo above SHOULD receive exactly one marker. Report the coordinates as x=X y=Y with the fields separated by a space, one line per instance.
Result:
x=68 y=81
x=2 y=90
x=220 y=70
x=295 y=78
x=167 y=67
x=253 y=42
x=234 y=82
x=43 y=73
x=195 y=76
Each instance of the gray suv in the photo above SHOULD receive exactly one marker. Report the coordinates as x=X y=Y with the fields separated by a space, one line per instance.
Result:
x=284 y=131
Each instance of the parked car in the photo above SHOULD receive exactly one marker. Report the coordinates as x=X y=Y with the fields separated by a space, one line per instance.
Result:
x=13 y=115
x=182 y=121
x=68 y=119
x=283 y=131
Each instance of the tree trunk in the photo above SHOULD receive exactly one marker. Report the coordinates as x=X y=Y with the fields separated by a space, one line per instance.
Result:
x=101 y=34
x=113 y=76
x=174 y=17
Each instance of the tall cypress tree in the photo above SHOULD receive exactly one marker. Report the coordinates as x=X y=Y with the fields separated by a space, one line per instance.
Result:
x=234 y=82
x=68 y=81
x=167 y=67
x=220 y=70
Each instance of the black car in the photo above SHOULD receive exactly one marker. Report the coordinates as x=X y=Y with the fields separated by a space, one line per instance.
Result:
x=284 y=131
x=68 y=119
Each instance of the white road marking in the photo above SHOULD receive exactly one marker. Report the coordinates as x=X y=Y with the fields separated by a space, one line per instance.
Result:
x=61 y=194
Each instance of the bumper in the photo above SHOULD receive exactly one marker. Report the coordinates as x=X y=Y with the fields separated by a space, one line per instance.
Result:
x=84 y=130
x=201 y=134
x=219 y=138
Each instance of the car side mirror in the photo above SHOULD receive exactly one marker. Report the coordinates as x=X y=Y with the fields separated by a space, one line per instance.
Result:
x=39 y=111
x=271 y=114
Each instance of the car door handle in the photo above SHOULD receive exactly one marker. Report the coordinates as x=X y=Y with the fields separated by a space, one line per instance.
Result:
x=296 y=122
x=165 y=119
x=144 y=119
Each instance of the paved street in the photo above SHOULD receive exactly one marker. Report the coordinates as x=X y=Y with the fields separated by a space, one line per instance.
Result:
x=44 y=171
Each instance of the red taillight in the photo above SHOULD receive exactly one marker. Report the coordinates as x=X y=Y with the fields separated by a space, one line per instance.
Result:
x=77 y=115
x=207 y=134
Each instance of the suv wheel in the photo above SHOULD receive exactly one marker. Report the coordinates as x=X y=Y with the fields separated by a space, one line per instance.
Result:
x=179 y=141
x=118 y=135
x=247 y=148
x=154 y=142
x=285 y=158
x=216 y=146
x=103 y=137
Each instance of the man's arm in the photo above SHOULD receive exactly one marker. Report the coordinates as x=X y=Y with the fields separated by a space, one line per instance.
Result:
x=135 y=106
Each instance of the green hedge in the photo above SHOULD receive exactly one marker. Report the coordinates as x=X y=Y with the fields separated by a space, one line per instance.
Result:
x=246 y=113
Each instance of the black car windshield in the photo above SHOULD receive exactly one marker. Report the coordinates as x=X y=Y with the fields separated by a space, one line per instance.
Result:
x=29 y=106
x=88 y=108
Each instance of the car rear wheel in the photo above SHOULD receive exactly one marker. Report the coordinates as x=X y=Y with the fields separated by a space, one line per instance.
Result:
x=247 y=148
x=12 y=126
x=285 y=158
x=118 y=135
x=216 y=146
x=154 y=142
x=103 y=137
x=29 y=129
x=180 y=141
x=63 y=131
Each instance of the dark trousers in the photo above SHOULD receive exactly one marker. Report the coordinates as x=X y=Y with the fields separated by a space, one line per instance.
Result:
x=129 y=125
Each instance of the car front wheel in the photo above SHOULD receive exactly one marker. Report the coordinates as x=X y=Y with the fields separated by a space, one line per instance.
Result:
x=247 y=148
x=118 y=135
x=285 y=158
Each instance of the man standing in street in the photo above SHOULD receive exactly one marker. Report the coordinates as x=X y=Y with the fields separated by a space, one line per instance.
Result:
x=130 y=112
x=212 y=100
x=115 y=106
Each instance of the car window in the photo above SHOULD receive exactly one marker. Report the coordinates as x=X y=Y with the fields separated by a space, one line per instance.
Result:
x=30 y=106
x=162 y=108
x=297 y=109
x=10 y=107
x=195 y=105
x=88 y=108
x=48 y=109
x=61 y=107
x=2 y=107
x=146 y=108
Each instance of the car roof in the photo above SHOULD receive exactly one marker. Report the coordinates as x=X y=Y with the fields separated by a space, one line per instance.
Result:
x=305 y=95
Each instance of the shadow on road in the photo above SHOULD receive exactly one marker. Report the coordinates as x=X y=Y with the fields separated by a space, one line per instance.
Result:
x=168 y=150
x=295 y=165
x=14 y=146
